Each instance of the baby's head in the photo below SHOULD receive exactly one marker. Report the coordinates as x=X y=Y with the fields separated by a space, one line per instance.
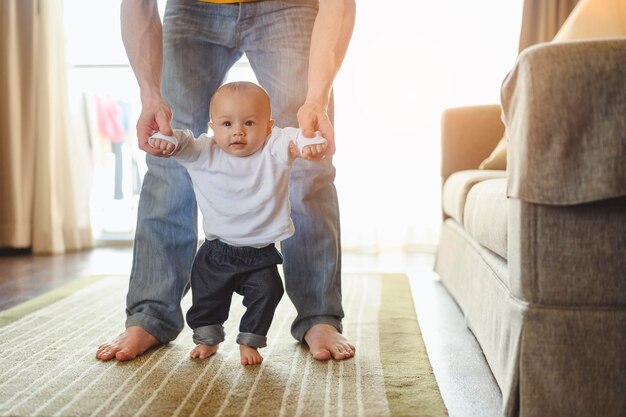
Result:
x=241 y=117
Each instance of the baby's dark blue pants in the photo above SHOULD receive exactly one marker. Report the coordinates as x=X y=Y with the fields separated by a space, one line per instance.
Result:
x=219 y=270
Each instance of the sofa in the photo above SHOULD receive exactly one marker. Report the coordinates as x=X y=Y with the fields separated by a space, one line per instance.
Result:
x=535 y=255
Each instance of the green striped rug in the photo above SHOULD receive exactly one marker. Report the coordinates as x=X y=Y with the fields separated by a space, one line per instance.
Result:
x=48 y=365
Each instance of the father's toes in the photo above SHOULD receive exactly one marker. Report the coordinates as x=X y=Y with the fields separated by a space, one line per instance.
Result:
x=322 y=355
x=122 y=355
x=342 y=352
x=105 y=354
x=339 y=354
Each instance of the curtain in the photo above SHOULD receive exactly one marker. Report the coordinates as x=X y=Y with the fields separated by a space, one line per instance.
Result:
x=542 y=19
x=44 y=185
x=17 y=100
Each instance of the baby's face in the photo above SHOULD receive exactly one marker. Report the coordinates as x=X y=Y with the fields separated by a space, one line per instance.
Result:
x=240 y=122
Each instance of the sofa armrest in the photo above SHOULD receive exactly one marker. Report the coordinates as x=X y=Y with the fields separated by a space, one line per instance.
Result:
x=468 y=135
x=564 y=106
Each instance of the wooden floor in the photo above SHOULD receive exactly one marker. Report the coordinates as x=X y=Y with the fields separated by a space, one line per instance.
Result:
x=465 y=380
x=24 y=276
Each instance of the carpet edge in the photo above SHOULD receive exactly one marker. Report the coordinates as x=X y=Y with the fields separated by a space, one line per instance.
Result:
x=15 y=313
x=400 y=335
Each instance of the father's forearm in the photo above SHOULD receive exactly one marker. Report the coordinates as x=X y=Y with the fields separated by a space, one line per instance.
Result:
x=329 y=41
x=143 y=39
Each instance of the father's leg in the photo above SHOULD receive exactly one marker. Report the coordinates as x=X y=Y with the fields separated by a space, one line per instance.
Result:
x=277 y=40
x=165 y=242
x=198 y=50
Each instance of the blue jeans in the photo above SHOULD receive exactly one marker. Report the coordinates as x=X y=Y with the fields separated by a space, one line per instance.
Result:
x=201 y=41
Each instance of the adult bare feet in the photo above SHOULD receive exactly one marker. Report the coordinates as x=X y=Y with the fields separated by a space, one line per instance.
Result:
x=250 y=355
x=133 y=342
x=203 y=351
x=325 y=342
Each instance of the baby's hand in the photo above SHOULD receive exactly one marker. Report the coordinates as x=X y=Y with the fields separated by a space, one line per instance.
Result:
x=310 y=152
x=166 y=147
x=314 y=152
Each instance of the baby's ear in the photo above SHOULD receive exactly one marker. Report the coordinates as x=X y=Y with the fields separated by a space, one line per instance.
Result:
x=270 y=125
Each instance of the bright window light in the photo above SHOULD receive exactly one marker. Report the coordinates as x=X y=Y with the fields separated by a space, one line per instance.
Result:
x=405 y=65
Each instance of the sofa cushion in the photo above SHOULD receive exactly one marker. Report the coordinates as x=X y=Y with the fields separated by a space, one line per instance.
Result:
x=459 y=184
x=497 y=158
x=485 y=215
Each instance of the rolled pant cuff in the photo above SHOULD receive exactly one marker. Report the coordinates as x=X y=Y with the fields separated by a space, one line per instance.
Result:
x=252 y=340
x=299 y=329
x=157 y=328
x=209 y=335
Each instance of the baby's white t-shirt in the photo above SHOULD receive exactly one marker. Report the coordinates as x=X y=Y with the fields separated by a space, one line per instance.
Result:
x=244 y=200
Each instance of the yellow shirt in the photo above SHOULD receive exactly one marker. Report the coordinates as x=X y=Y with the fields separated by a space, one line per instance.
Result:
x=227 y=1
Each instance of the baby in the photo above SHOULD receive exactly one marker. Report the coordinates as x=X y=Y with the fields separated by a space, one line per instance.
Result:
x=240 y=177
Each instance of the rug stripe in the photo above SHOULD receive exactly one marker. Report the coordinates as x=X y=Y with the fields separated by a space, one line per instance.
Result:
x=347 y=327
x=359 y=395
x=301 y=396
x=327 y=400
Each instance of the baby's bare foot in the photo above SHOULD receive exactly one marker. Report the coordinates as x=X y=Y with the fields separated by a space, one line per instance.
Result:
x=133 y=342
x=203 y=351
x=325 y=342
x=250 y=355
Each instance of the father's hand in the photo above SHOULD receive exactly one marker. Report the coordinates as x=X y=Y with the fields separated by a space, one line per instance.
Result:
x=312 y=117
x=155 y=115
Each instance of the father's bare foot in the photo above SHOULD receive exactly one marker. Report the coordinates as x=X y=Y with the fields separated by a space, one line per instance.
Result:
x=134 y=341
x=325 y=342
x=203 y=351
x=250 y=355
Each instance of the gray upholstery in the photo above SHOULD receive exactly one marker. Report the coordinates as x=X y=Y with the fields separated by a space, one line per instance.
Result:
x=564 y=106
x=541 y=275
x=476 y=279
x=568 y=255
x=573 y=362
